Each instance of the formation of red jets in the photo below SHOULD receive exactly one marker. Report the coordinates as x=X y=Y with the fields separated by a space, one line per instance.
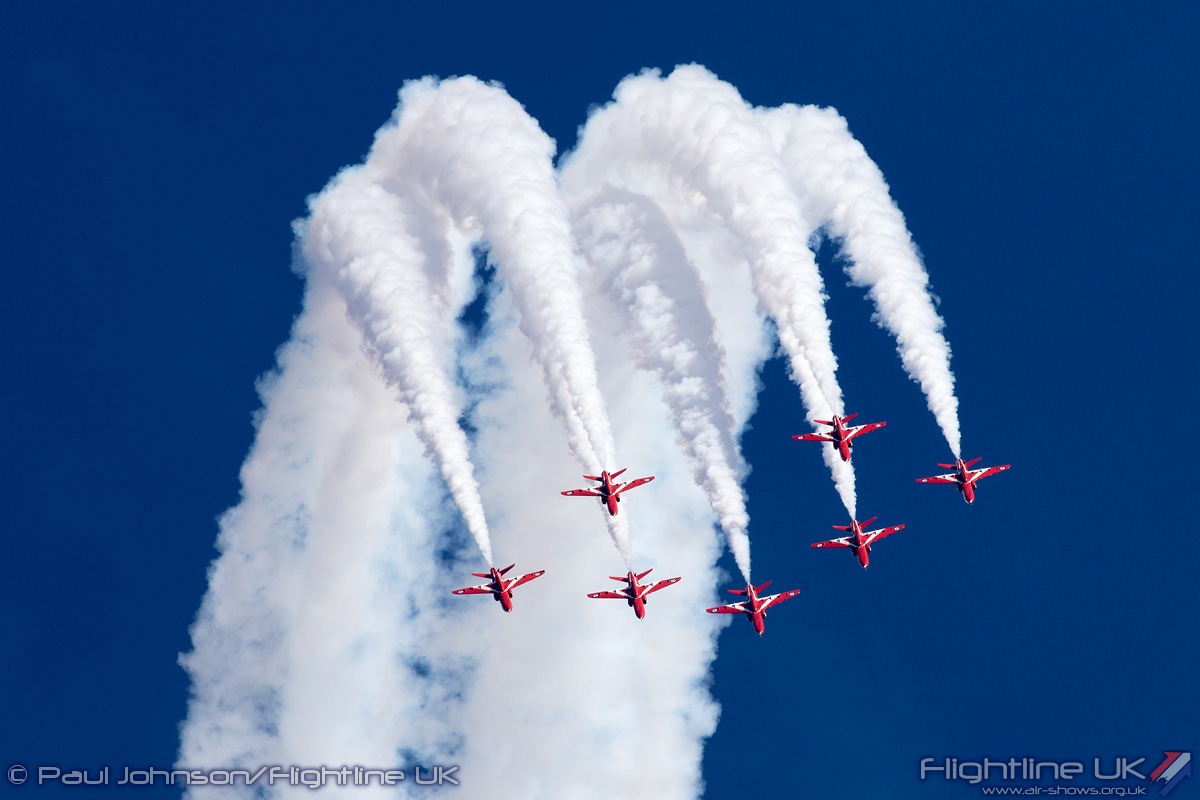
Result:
x=636 y=594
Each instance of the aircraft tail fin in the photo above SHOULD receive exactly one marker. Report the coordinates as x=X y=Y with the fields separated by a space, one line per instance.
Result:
x=849 y=417
x=946 y=466
x=823 y=421
x=593 y=477
x=618 y=472
x=641 y=575
x=843 y=527
x=865 y=523
x=746 y=591
x=972 y=462
x=488 y=574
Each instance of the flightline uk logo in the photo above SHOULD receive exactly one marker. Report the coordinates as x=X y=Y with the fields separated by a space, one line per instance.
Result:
x=1175 y=767
x=1166 y=776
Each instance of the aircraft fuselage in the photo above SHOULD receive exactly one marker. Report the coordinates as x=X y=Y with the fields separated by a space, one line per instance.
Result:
x=861 y=548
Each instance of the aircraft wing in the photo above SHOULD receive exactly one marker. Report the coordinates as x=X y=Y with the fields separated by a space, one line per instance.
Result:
x=874 y=536
x=859 y=430
x=776 y=599
x=581 y=493
x=980 y=474
x=842 y=542
x=812 y=437
x=662 y=585
x=526 y=578
x=609 y=595
x=949 y=477
x=484 y=589
x=732 y=608
x=634 y=484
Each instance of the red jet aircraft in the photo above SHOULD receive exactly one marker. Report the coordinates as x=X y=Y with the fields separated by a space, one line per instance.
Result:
x=859 y=541
x=498 y=587
x=609 y=491
x=635 y=593
x=964 y=476
x=755 y=608
x=840 y=435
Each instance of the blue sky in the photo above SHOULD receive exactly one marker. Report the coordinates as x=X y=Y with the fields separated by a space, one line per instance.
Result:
x=1044 y=159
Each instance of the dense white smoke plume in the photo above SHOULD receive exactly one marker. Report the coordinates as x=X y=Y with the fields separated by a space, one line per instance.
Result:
x=317 y=638
x=328 y=634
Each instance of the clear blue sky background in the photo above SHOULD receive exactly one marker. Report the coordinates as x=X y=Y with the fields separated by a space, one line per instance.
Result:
x=1045 y=155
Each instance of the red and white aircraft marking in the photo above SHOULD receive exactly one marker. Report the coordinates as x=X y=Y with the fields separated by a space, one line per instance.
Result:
x=635 y=593
x=498 y=586
x=859 y=541
x=754 y=607
x=609 y=491
x=965 y=477
x=841 y=435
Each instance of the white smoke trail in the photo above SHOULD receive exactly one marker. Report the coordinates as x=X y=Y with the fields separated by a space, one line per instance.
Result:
x=846 y=187
x=690 y=138
x=358 y=232
x=472 y=150
x=642 y=265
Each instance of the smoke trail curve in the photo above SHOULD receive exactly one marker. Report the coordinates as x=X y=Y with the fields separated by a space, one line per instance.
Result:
x=357 y=231
x=847 y=188
x=474 y=151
